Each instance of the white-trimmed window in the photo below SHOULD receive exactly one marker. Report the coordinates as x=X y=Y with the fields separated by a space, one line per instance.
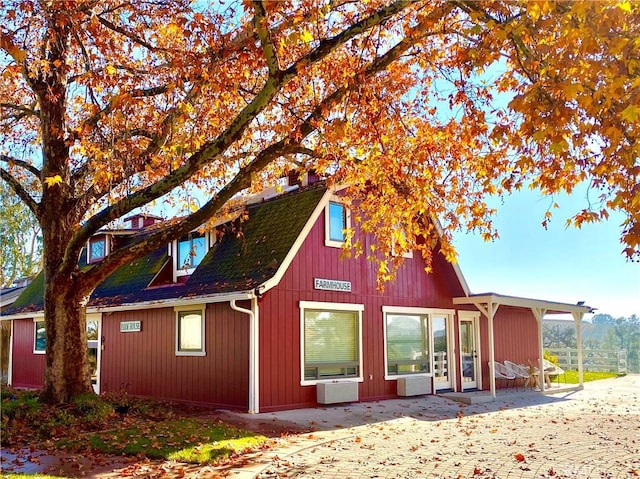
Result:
x=399 y=243
x=415 y=341
x=97 y=249
x=337 y=220
x=188 y=252
x=408 y=344
x=39 y=337
x=190 y=331
x=331 y=339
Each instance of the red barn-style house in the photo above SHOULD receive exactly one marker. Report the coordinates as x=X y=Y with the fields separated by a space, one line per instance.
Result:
x=262 y=314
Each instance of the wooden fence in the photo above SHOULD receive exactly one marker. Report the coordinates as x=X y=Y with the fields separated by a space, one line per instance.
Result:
x=596 y=360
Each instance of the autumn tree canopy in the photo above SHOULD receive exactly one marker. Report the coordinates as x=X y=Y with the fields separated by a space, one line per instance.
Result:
x=422 y=107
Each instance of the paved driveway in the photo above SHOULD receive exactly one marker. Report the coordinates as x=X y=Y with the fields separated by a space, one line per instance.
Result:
x=594 y=433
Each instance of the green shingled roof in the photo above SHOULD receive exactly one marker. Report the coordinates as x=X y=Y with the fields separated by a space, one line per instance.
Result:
x=249 y=253
x=32 y=296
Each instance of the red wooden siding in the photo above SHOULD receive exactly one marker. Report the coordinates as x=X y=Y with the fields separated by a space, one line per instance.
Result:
x=145 y=364
x=515 y=332
x=27 y=368
x=280 y=367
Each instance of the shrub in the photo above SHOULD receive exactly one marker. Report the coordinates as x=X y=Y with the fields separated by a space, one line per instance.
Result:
x=93 y=408
x=550 y=357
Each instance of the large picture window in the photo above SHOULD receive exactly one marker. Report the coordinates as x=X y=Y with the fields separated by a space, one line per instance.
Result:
x=417 y=342
x=331 y=340
x=190 y=332
x=408 y=345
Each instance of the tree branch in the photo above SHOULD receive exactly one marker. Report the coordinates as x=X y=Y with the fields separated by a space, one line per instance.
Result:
x=21 y=164
x=130 y=35
x=243 y=178
x=20 y=191
x=234 y=131
x=26 y=111
x=261 y=23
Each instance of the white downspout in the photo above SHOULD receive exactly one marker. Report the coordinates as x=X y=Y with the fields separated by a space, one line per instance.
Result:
x=254 y=380
x=10 y=368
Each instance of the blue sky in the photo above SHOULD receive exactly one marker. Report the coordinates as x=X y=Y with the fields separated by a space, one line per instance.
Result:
x=557 y=264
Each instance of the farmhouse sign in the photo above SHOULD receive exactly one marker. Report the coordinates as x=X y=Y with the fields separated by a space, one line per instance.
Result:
x=130 y=326
x=332 y=285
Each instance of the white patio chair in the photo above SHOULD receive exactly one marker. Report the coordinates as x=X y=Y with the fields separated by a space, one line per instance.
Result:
x=552 y=370
x=520 y=372
x=500 y=371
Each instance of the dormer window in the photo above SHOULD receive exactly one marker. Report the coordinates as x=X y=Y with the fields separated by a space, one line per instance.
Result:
x=189 y=252
x=98 y=249
x=337 y=220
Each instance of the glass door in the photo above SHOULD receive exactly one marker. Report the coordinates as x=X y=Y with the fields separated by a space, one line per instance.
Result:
x=94 y=346
x=441 y=369
x=5 y=351
x=469 y=352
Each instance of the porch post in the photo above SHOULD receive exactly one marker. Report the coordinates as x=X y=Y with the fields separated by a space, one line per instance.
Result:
x=577 y=317
x=489 y=310
x=539 y=314
x=492 y=355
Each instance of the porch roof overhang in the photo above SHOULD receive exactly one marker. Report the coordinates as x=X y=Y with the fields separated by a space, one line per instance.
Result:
x=549 y=307
x=488 y=304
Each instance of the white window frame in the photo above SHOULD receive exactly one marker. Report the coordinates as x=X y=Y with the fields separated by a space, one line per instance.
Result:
x=190 y=309
x=327 y=222
x=407 y=254
x=173 y=251
x=359 y=308
x=107 y=248
x=37 y=320
x=429 y=312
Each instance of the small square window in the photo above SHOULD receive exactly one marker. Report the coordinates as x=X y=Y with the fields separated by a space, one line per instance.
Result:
x=40 y=337
x=97 y=249
x=191 y=250
x=190 y=333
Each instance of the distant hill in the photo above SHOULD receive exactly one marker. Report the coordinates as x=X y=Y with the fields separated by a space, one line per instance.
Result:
x=593 y=332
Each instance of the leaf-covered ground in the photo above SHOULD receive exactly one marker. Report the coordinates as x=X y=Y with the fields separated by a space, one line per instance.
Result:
x=98 y=434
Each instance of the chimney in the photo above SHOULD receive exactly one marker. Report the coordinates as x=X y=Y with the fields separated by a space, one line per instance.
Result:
x=142 y=220
x=307 y=178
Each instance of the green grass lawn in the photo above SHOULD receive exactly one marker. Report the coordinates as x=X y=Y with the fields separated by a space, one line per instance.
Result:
x=190 y=440
x=141 y=428
x=572 y=376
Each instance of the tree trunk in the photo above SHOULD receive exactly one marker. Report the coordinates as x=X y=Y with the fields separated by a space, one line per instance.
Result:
x=67 y=371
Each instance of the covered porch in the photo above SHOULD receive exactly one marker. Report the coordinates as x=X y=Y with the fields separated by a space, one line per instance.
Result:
x=488 y=304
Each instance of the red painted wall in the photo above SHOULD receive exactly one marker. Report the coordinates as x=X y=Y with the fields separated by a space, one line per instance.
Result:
x=280 y=367
x=515 y=333
x=27 y=368
x=145 y=364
